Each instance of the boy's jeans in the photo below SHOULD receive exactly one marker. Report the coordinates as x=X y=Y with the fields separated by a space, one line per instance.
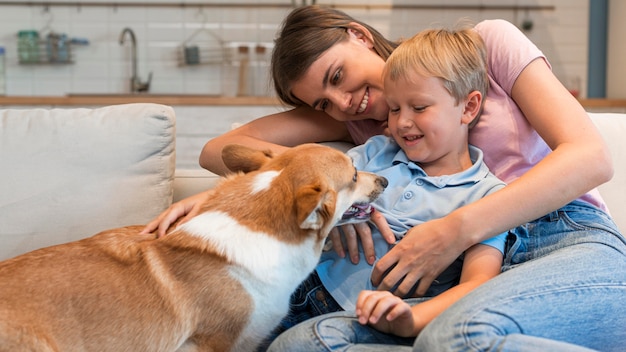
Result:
x=568 y=293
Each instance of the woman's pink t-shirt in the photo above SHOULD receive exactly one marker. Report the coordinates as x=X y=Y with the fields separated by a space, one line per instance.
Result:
x=510 y=144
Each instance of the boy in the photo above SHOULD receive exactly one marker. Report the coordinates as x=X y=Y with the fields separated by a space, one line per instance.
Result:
x=434 y=84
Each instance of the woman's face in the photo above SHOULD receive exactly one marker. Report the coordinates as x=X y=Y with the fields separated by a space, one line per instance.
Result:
x=345 y=81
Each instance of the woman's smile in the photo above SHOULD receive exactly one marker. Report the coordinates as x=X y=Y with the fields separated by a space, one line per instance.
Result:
x=363 y=104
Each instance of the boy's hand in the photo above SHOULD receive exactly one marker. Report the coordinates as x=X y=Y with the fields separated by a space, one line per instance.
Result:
x=386 y=313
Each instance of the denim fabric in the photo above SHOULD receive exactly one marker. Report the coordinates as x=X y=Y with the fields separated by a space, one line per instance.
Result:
x=562 y=289
x=567 y=296
x=340 y=331
x=309 y=300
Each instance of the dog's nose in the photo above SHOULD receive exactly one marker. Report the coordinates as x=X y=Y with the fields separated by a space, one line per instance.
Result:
x=382 y=182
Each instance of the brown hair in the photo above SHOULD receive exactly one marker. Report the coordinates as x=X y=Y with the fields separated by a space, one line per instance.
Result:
x=306 y=33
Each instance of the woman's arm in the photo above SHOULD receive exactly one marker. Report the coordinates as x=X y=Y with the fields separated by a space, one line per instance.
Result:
x=386 y=313
x=275 y=132
x=580 y=161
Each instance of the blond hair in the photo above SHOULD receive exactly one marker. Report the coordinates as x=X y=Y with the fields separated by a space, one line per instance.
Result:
x=306 y=33
x=456 y=56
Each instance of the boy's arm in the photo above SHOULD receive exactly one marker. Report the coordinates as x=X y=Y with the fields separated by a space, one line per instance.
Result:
x=481 y=263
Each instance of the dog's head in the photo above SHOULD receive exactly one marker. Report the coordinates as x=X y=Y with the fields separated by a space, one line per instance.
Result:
x=310 y=183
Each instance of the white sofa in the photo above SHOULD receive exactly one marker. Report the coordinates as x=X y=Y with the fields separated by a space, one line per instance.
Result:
x=69 y=173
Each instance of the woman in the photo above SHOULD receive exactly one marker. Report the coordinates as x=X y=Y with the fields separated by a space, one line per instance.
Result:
x=567 y=274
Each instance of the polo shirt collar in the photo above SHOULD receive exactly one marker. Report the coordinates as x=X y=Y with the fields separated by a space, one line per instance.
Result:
x=474 y=174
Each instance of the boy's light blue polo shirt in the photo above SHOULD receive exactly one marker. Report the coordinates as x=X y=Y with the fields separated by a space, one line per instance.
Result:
x=411 y=198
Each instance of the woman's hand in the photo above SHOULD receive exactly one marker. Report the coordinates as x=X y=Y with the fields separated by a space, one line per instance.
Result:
x=362 y=231
x=386 y=313
x=182 y=210
x=425 y=251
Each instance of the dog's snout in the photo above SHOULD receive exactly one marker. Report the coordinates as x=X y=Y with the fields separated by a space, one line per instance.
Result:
x=382 y=181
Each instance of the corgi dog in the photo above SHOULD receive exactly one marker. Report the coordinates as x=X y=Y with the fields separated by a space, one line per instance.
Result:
x=218 y=282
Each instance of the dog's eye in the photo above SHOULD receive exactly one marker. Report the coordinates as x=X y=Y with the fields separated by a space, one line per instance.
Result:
x=355 y=175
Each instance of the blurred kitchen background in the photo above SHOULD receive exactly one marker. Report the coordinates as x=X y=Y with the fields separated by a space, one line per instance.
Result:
x=223 y=47
x=209 y=59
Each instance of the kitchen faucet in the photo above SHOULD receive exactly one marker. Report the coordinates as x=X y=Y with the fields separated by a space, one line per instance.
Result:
x=135 y=83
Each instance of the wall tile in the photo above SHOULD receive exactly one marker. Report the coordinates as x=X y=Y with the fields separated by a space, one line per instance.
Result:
x=104 y=65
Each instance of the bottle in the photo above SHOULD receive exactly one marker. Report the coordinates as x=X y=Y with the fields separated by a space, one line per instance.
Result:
x=2 y=72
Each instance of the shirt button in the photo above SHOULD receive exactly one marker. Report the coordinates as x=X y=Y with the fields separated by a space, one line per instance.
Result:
x=408 y=195
x=419 y=182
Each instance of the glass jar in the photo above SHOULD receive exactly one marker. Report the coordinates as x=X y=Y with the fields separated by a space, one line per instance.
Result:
x=28 y=46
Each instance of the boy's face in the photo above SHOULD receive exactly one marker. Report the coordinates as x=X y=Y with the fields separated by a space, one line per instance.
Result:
x=428 y=124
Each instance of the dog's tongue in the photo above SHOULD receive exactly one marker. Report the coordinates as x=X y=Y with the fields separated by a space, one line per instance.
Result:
x=356 y=213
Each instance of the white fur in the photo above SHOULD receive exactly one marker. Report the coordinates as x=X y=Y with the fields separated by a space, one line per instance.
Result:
x=313 y=221
x=263 y=255
x=345 y=198
x=263 y=181
x=270 y=270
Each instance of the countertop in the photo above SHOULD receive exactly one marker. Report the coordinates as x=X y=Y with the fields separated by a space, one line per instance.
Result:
x=195 y=100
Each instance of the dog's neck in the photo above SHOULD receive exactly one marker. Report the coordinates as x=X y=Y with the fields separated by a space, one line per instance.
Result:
x=263 y=254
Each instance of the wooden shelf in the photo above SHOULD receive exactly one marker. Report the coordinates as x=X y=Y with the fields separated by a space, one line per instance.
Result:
x=603 y=103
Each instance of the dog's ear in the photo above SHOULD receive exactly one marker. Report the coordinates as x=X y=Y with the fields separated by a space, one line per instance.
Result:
x=241 y=158
x=314 y=206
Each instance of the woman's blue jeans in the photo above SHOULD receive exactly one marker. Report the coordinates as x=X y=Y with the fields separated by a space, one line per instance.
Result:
x=563 y=288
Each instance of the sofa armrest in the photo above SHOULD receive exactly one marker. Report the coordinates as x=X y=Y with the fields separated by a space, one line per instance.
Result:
x=188 y=182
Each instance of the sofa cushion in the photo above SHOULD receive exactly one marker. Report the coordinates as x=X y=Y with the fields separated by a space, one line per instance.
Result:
x=70 y=173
